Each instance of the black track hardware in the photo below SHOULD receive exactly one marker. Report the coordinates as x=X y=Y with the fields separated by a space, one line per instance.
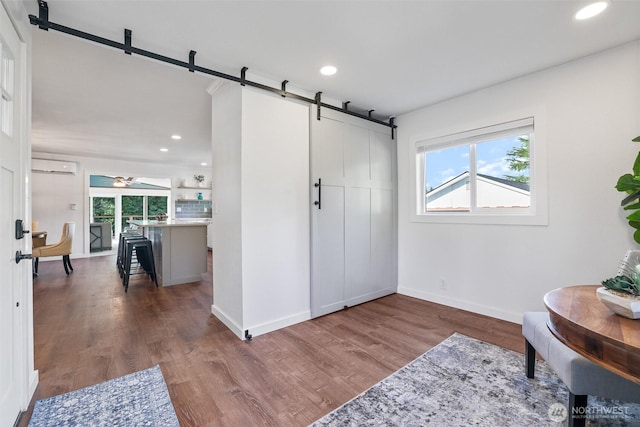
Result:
x=42 y=21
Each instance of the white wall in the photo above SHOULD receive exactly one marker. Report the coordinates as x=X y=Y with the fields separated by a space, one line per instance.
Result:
x=261 y=221
x=52 y=194
x=591 y=112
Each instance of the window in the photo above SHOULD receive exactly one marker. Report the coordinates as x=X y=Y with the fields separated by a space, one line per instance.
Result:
x=156 y=205
x=141 y=199
x=486 y=172
x=6 y=94
x=103 y=209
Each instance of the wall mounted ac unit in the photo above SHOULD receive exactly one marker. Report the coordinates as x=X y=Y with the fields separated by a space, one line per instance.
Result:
x=53 y=166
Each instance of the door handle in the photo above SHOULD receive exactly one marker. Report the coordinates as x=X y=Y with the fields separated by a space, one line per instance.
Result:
x=20 y=256
x=318 y=202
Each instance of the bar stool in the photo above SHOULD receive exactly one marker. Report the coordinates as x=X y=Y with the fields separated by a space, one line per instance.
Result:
x=124 y=237
x=144 y=254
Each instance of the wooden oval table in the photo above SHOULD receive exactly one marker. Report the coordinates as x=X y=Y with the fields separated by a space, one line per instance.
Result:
x=582 y=322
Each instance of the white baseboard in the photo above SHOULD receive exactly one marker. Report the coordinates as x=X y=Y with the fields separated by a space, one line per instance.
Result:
x=59 y=258
x=462 y=304
x=34 y=379
x=279 y=323
x=228 y=322
x=262 y=328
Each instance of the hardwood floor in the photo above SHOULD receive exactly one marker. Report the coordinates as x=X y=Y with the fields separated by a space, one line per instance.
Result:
x=87 y=330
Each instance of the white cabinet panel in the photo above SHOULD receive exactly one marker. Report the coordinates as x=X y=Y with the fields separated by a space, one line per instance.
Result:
x=328 y=251
x=328 y=156
x=357 y=159
x=382 y=158
x=357 y=242
x=382 y=233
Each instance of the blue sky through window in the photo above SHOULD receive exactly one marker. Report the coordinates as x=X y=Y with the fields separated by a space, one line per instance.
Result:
x=447 y=163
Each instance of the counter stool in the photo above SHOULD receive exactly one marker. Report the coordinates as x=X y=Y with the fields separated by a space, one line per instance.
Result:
x=124 y=237
x=144 y=254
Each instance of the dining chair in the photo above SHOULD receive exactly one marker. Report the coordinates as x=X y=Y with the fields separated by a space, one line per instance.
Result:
x=38 y=238
x=62 y=248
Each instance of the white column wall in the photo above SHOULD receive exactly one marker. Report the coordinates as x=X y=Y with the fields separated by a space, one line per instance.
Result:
x=226 y=206
x=261 y=215
x=275 y=212
x=592 y=111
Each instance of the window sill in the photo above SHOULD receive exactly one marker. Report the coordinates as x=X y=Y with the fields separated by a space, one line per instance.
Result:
x=486 y=219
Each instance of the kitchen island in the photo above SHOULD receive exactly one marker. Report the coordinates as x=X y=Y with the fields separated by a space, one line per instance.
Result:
x=179 y=249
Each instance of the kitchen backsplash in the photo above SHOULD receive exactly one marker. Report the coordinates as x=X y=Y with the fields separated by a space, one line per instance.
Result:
x=192 y=209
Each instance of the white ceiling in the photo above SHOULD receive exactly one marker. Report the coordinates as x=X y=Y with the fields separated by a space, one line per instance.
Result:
x=392 y=56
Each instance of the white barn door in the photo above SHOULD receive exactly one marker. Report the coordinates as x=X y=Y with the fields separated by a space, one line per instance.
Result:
x=353 y=173
x=12 y=201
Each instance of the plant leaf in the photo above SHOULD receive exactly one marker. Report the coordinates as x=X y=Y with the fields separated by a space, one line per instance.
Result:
x=627 y=183
x=636 y=236
x=632 y=207
x=636 y=165
x=621 y=284
x=630 y=198
x=636 y=139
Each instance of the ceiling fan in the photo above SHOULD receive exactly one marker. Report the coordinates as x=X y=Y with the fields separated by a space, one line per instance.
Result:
x=119 y=181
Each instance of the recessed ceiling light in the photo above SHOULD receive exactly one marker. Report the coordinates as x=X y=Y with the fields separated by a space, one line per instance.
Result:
x=164 y=150
x=176 y=137
x=203 y=164
x=328 y=70
x=591 y=10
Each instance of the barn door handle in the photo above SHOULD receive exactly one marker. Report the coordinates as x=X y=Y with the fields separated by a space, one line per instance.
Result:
x=318 y=202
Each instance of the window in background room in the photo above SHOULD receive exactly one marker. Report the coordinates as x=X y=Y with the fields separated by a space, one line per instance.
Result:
x=481 y=171
x=103 y=209
x=156 y=205
x=132 y=209
x=138 y=198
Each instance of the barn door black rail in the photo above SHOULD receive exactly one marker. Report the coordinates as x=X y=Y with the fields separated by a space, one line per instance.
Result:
x=42 y=21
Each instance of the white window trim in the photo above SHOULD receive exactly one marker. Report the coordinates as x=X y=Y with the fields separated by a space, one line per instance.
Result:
x=537 y=214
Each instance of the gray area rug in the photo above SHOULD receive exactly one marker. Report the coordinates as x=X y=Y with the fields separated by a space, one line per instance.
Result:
x=466 y=382
x=137 y=399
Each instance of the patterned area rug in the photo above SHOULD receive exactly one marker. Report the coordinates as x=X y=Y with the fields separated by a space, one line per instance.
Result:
x=138 y=399
x=463 y=382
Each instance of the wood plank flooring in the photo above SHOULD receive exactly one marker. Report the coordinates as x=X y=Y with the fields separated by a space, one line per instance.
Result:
x=87 y=330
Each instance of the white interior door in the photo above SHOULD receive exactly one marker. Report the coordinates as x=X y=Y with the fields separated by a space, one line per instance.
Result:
x=12 y=335
x=353 y=256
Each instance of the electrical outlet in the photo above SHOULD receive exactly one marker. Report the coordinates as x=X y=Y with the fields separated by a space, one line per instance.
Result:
x=443 y=284
x=206 y=210
x=178 y=209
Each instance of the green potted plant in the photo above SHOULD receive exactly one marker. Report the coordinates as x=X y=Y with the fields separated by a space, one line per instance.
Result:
x=630 y=184
x=621 y=293
x=199 y=179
